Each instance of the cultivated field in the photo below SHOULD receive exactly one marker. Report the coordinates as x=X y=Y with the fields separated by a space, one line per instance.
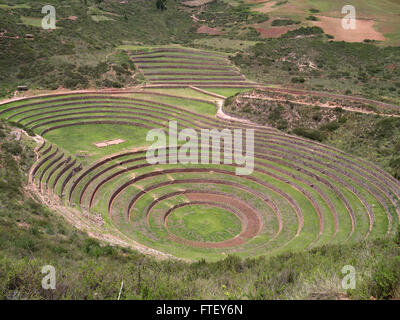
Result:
x=376 y=19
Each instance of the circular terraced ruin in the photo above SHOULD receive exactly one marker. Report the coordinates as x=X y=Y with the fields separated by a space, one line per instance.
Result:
x=301 y=194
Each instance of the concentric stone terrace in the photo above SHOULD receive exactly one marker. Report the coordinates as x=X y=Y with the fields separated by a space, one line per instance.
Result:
x=178 y=66
x=301 y=194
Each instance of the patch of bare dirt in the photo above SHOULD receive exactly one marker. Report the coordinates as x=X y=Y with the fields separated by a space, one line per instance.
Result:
x=266 y=7
x=364 y=30
x=209 y=30
x=108 y=143
x=272 y=32
x=23 y=225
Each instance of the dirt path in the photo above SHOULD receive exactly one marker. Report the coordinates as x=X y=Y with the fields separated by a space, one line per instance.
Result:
x=322 y=105
x=330 y=95
x=222 y=115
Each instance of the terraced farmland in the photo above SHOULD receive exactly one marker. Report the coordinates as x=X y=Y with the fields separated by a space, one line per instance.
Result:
x=302 y=194
x=178 y=66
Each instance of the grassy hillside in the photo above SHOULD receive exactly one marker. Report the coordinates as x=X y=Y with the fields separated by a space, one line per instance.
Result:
x=32 y=236
x=317 y=64
x=83 y=51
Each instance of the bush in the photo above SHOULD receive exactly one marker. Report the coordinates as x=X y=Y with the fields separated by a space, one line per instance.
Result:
x=386 y=278
x=303 y=31
x=395 y=165
x=298 y=80
x=310 y=134
x=331 y=126
x=93 y=248
x=12 y=147
x=312 y=18
x=284 y=22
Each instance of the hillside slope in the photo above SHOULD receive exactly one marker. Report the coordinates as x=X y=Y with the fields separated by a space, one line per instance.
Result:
x=31 y=237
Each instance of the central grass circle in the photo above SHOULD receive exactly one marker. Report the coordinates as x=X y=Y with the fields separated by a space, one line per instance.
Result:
x=204 y=223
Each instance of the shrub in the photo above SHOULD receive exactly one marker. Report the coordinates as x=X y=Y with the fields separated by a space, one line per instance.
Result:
x=310 y=133
x=304 y=31
x=312 y=18
x=12 y=147
x=395 y=165
x=284 y=22
x=93 y=248
x=317 y=117
x=26 y=242
x=331 y=126
x=386 y=278
x=298 y=80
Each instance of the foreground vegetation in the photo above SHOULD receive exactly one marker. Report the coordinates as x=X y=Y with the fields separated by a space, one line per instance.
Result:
x=31 y=236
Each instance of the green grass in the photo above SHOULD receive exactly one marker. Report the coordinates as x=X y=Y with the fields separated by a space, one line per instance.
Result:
x=81 y=139
x=197 y=106
x=184 y=92
x=30 y=21
x=205 y=224
x=15 y=6
x=227 y=92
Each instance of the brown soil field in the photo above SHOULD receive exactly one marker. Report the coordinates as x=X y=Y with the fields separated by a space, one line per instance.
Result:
x=271 y=32
x=364 y=30
x=208 y=30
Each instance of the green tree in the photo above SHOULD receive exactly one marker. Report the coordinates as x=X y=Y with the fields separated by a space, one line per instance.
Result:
x=161 y=4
